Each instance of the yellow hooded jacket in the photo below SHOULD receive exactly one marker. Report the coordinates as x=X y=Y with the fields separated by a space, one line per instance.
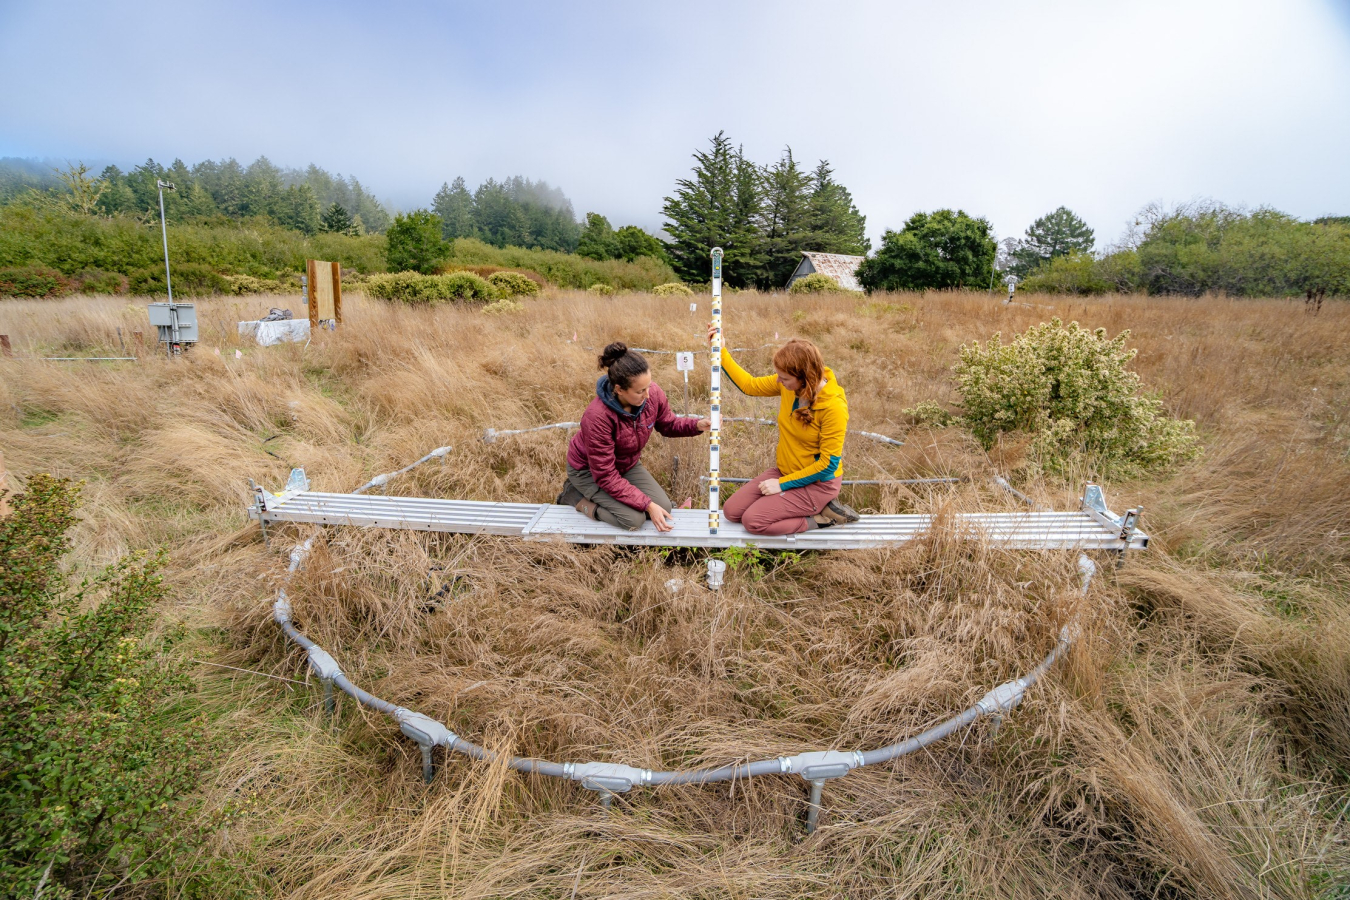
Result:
x=806 y=453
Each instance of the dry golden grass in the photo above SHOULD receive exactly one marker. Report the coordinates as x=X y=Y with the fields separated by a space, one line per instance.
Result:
x=1195 y=743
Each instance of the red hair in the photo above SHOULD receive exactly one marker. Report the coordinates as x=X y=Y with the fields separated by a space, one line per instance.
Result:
x=802 y=360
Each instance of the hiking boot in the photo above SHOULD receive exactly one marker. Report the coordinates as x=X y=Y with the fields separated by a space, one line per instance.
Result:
x=839 y=513
x=569 y=496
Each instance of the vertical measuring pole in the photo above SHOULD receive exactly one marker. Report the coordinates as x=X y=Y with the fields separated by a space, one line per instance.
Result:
x=715 y=389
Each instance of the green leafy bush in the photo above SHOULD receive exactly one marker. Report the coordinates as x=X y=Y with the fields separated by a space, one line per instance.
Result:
x=1070 y=390
x=189 y=280
x=95 y=746
x=1070 y=273
x=934 y=251
x=97 y=281
x=604 y=290
x=70 y=243
x=815 y=283
x=566 y=269
x=673 y=289
x=513 y=284
x=411 y=287
x=415 y=243
x=31 y=281
x=247 y=284
x=504 y=305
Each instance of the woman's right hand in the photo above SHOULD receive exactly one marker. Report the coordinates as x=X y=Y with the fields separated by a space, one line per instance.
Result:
x=660 y=518
x=712 y=330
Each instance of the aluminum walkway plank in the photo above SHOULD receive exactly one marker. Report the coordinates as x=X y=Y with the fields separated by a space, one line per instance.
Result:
x=544 y=522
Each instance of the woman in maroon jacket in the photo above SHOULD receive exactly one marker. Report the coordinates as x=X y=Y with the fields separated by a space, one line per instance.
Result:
x=605 y=479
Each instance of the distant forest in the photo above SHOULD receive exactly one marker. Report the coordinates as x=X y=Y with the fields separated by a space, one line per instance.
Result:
x=516 y=212
x=292 y=198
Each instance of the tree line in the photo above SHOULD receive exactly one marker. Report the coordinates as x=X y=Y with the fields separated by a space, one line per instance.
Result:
x=514 y=212
x=309 y=200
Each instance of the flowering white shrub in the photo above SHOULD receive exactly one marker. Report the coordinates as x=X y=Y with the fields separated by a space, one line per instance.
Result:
x=1069 y=389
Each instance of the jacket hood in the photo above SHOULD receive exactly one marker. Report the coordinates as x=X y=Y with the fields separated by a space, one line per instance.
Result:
x=605 y=391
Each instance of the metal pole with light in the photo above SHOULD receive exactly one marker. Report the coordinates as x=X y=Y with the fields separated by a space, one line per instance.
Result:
x=715 y=391
x=168 y=283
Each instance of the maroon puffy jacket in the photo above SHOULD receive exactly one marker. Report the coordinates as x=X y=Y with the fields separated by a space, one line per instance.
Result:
x=611 y=439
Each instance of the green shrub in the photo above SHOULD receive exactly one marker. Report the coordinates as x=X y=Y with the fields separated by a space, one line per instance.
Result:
x=1071 y=273
x=415 y=243
x=70 y=243
x=1069 y=389
x=31 y=281
x=189 y=280
x=95 y=745
x=247 y=284
x=513 y=284
x=504 y=305
x=673 y=289
x=97 y=281
x=815 y=283
x=929 y=412
x=604 y=290
x=411 y=287
x=566 y=269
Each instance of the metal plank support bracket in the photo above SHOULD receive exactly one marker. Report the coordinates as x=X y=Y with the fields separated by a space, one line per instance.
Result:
x=1124 y=527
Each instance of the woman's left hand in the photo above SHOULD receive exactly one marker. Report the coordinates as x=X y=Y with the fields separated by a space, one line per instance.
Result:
x=770 y=487
x=704 y=424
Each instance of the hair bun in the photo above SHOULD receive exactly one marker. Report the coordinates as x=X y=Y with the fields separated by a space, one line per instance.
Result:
x=612 y=354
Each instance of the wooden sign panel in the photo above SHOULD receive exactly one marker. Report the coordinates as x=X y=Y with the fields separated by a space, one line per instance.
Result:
x=325 y=292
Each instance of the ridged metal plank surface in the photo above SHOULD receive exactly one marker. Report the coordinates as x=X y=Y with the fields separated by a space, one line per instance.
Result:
x=417 y=513
x=1027 y=530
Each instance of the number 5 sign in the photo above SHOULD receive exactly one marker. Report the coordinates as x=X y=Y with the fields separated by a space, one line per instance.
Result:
x=684 y=361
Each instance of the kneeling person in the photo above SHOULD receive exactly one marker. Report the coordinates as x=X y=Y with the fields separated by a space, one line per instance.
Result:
x=606 y=480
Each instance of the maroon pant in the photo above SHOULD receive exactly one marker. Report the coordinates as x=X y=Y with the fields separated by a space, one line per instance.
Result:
x=787 y=512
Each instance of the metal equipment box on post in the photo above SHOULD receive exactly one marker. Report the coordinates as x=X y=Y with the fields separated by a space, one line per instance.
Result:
x=177 y=323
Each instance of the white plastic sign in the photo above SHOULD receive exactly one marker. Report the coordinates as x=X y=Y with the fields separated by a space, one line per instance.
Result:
x=693 y=307
x=684 y=361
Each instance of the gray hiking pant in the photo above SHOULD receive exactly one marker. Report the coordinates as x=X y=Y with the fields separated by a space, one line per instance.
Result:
x=611 y=510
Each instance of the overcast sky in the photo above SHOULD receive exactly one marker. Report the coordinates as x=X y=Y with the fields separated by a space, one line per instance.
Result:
x=1006 y=110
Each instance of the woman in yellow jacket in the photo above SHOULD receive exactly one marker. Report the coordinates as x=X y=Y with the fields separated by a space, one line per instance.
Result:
x=802 y=491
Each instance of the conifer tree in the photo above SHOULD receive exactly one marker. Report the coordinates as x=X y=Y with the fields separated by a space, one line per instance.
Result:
x=597 y=238
x=454 y=204
x=836 y=226
x=337 y=220
x=717 y=206
x=785 y=220
x=1054 y=234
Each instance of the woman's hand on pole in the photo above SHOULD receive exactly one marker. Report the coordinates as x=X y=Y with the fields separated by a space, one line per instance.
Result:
x=660 y=518
x=704 y=424
x=712 y=330
x=770 y=486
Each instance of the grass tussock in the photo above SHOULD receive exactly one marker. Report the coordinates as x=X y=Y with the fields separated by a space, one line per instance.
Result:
x=1194 y=743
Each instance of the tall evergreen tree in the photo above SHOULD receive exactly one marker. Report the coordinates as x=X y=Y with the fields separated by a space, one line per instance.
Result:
x=597 y=238
x=1054 y=234
x=835 y=226
x=718 y=205
x=454 y=204
x=337 y=220
x=500 y=220
x=785 y=220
